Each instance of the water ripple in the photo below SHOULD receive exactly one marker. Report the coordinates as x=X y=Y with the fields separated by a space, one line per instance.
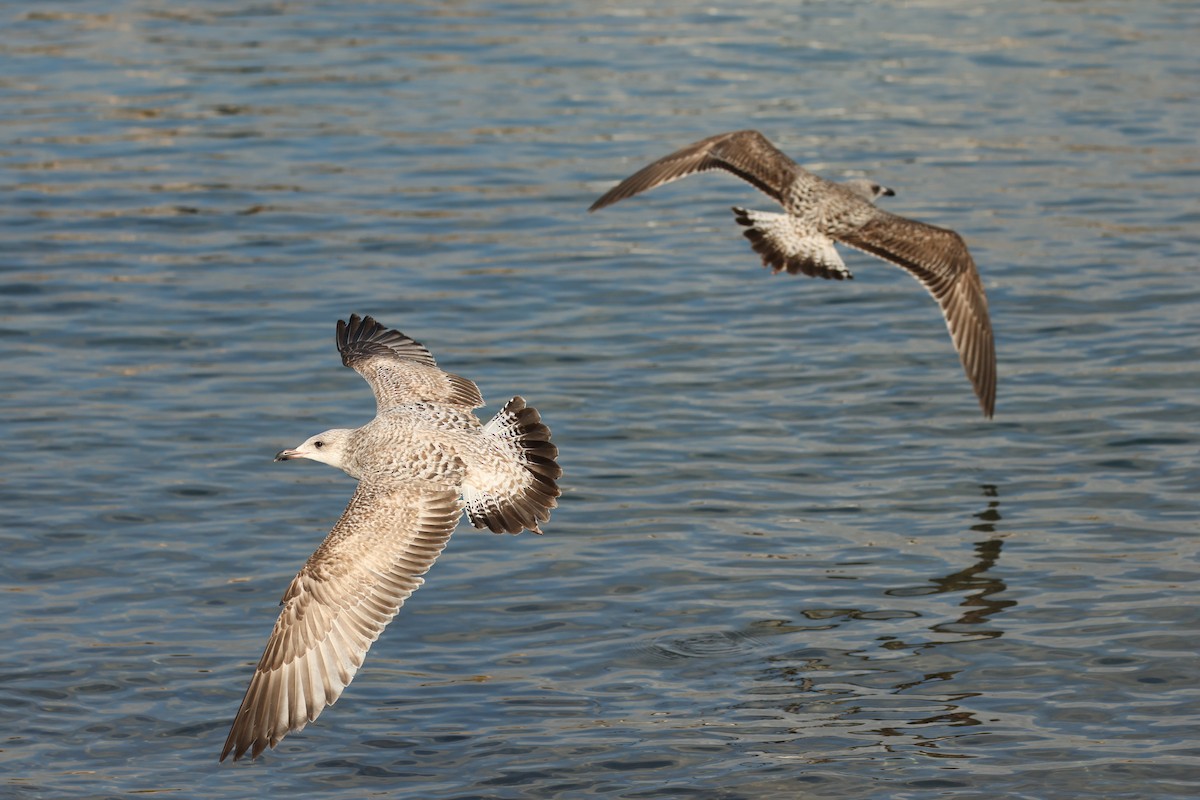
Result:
x=790 y=559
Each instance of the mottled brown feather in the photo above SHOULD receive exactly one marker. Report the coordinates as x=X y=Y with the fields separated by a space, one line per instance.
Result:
x=939 y=259
x=746 y=154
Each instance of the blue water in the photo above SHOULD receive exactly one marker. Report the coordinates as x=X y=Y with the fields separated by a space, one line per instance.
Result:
x=791 y=558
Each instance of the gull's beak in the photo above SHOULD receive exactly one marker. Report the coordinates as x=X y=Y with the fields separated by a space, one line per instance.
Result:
x=284 y=455
x=886 y=192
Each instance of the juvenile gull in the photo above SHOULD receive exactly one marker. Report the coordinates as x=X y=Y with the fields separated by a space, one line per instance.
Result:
x=422 y=460
x=819 y=213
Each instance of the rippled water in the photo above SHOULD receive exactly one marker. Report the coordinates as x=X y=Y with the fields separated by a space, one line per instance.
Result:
x=791 y=560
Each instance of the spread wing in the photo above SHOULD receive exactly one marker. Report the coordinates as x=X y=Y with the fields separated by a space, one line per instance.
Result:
x=346 y=593
x=399 y=369
x=939 y=259
x=746 y=154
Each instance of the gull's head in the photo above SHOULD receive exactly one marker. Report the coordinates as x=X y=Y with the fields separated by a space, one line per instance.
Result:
x=328 y=448
x=868 y=189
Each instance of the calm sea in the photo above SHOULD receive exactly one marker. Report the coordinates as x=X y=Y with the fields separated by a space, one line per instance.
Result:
x=791 y=559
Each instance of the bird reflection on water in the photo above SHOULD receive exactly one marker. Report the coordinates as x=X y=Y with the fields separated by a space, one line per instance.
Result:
x=895 y=696
x=973 y=579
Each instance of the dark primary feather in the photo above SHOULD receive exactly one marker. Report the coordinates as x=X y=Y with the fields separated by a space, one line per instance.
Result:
x=399 y=369
x=363 y=337
x=746 y=154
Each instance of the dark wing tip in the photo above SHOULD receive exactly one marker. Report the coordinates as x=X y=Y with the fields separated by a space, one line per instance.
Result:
x=621 y=191
x=363 y=337
x=235 y=743
x=246 y=736
x=350 y=333
x=237 y=750
x=987 y=397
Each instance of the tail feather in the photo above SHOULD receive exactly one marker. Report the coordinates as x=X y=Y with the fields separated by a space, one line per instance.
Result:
x=520 y=499
x=775 y=238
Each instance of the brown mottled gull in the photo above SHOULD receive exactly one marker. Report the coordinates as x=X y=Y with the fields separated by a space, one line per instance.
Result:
x=819 y=213
x=422 y=460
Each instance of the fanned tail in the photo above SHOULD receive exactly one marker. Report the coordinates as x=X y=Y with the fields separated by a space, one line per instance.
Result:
x=774 y=237
x=521 y=498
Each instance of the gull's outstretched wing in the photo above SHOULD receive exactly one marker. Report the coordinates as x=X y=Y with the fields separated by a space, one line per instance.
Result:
x=939 y=259
x=399 y=369
x=746 y=154
x=349 y=589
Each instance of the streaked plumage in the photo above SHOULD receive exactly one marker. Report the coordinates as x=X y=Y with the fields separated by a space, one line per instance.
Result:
x=818 y=213
x=423 y=460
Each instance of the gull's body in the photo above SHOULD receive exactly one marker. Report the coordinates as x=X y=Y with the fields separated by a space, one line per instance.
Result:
x=818 y=213
x=424 y=459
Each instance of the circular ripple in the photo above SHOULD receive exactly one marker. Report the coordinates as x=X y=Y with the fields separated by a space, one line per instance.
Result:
x=708 y=644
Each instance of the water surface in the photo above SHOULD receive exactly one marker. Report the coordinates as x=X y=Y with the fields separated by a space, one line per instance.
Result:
x=791 y=559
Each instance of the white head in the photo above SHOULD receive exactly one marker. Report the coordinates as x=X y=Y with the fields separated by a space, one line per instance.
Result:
x=328 y=448
x=867 y=189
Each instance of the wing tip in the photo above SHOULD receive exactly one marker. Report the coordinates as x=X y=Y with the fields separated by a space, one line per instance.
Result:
x=364 y=336
x=987 y=396
x=988 y=405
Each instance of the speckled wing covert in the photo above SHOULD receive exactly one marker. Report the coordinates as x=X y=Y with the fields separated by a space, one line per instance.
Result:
x=939 y=259
x=399 y=369
x=339 y=603
x=746 y=154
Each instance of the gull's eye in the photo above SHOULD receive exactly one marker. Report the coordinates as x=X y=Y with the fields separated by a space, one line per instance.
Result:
x=318 y=445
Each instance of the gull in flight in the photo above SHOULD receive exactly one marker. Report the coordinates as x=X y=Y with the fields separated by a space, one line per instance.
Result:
x=817 y=213
x=422 y=461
